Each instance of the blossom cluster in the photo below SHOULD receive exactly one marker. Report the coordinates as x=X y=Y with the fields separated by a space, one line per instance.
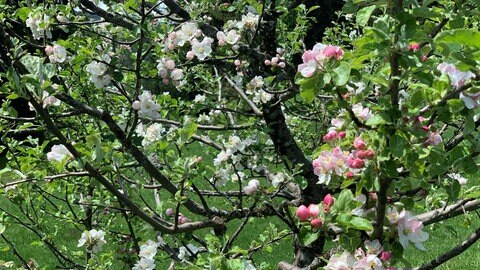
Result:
x=315 y=58
x=166 y=69
x=39 y=24
x=93 y=239
x=255 y=88
x=313 y=213
x=146 y=255
x=146 y=106
x=373 y=258
x=277 y=60
x=232 y=156
x=98 y=72
x=56 y=53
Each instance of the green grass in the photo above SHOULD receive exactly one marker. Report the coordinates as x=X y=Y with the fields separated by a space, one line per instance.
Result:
x=444 y=237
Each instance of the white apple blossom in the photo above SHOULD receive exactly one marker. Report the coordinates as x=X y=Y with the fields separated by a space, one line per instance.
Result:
x=98 y=72
x=58 y=54
x=199 y=98
x=190 y=250
x=249 y=21
x=471 y=101
x=231 y=37
x=93 y=239
x=203 y=118
x=58 y=153
x=186 y=33
x=202 y=49
x=341 y=262
x=153 y=133
x=144 y=264
x=39 y=25
x=148 y=250
x=277 y=179
x=223 y=156
x=176 y=74
x=455 y=176
x=262 y=97
x=148 y=107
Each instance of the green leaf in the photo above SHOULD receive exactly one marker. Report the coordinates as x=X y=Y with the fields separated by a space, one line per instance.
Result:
x=2 y=228
x=341 y=74
x=22 y=13
x=307 y=237
x=398 y=145
x=187 y=132
x=361 y=224
x=363 y=15
x=453 y=190
x=344 y=201
x=469 y=125
x=377 y=119
x=94 y=140
x=467 y=37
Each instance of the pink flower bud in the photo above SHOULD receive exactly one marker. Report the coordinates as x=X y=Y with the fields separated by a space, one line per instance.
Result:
x=169 y=212
x=356 y=163
x=424 y=58
x=316 y=223
x=359 y=144
x=237 y=62
x=414 y=47
x=171 y=46
x=235 y=47
x=385 y=256
x=166 y=81
x=333 y=52
x=136 y=105
x=182 y=219
x=221 y=42
x=49 y=50
x=302 y=213
x=267 y=62
x=170 y=64
x=369 y=154
x=172 y=35
x=341 y=134
x=328 y=200
x=275 y=60
x=331 y=135
x=349 y=175
x=282 y=64
x=314 y=210
x=361 y=154
x=190 y=55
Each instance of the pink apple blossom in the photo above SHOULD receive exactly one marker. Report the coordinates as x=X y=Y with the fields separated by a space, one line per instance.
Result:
x=328 y=163
x=457 y=78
